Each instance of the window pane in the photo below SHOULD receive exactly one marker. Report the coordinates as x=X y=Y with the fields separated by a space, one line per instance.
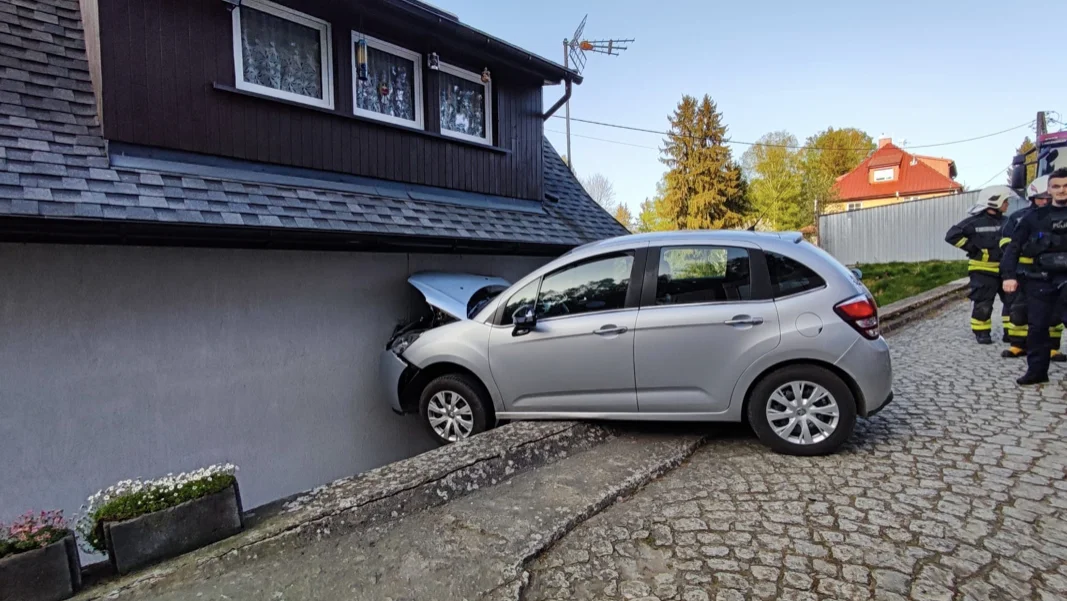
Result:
x=595 y=286
x=790 y=277
x=703 y=274
x=281 y=54
x=462 y=105
x=520 y=300
x=390 y=85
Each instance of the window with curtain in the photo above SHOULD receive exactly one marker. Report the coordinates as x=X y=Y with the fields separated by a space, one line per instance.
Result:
x=465 y=105
x=393 y=89
x=283 y=53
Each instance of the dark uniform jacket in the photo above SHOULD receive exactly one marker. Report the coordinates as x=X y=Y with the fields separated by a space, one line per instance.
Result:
x=979 y=236
x=1040 y=241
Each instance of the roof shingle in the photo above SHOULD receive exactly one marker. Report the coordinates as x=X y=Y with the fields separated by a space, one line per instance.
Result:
x=53 y=164
x=914 y=177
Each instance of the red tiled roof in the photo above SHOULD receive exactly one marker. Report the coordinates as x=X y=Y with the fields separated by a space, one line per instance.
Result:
x=915 y=177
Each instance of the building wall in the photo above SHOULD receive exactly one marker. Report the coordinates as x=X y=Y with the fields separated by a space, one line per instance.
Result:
x=870 y=203
x=127 y=362
x=164 y=60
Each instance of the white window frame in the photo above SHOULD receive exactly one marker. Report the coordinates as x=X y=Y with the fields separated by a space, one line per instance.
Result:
x=476 y=78
x=325 y=42
x=852 y=206
x=875 y=178
x=404 y=53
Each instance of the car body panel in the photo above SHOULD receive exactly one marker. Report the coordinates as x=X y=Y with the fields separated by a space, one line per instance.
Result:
x=684 y=354
x=540 y=370
x=869 y=365
x=463 y=343
x=390 y=369
x=452 y=292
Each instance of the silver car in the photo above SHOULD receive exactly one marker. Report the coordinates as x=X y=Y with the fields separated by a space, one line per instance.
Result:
x=680 y=326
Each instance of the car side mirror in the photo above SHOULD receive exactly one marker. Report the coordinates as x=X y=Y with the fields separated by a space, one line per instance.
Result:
x=525 y=320
x=1018 y=172
x=857 y=273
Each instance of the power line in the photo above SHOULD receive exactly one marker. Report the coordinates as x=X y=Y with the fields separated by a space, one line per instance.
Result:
x=1001 y=172
x=790 y=146
x=619 y=142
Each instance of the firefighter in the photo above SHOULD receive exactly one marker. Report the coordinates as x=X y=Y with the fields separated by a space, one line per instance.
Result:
x=979 y=236
x=1042 y=237
x=1016 y=329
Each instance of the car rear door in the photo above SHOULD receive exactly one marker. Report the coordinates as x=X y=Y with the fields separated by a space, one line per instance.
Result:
x=706 y=315
x=579 y=356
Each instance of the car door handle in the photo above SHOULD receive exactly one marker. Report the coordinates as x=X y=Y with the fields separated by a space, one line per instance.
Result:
x=744 y=320
x=610 y=329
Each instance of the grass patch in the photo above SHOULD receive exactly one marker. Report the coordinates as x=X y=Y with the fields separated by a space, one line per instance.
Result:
x=890 y=282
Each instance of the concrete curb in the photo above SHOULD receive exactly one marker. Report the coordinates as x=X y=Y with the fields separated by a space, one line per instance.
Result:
x=903 y=312
x=386 y=493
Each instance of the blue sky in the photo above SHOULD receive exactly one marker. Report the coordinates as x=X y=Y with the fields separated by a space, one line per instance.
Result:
x=924 y=72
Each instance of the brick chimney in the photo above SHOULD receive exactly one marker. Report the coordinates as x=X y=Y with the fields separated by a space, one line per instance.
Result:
x=884 y=140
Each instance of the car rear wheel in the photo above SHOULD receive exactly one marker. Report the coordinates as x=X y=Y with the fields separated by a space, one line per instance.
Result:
x=453 y=407
x=802 y=410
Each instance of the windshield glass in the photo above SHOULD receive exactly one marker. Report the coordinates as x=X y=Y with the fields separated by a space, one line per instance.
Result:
x=482 y=297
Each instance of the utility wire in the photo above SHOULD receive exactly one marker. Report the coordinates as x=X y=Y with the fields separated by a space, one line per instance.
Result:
x=790 y=146
x=619 y=142
x=1001 y=172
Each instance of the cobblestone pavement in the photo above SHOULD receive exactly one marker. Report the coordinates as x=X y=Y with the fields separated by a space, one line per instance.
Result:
x=954 y=492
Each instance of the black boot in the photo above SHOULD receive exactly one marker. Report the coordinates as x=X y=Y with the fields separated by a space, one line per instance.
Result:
x=1005 y=338
x=1013 y=353
x=983 y=337
x=1029 y=379
x=1057 y=357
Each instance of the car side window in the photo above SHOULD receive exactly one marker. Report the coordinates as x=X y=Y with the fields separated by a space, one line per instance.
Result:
x=520 y=300
x=790 y=277
x=597 y=285
x=703 y=274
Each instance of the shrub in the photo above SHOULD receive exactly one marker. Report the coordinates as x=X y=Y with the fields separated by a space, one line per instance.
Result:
x=32 y=531
x=133 y=498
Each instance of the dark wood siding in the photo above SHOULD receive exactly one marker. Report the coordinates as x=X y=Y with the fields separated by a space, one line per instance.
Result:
x=163 y=62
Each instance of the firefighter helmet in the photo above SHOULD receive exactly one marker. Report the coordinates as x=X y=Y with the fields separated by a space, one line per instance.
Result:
x=1038 y=188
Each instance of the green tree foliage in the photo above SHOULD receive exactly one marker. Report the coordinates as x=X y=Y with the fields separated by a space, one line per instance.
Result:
x=776 y=183
x=651 y=217
x=624 y=216
x=704 y=187
x=1031 y=170
x=827 y=156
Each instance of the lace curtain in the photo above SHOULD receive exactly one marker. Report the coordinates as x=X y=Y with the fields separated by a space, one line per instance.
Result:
x=281 y=54
x=462 y=105
x=390 y=85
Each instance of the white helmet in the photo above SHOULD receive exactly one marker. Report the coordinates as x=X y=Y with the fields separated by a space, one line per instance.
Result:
x=994 y=196
x=1038 y=187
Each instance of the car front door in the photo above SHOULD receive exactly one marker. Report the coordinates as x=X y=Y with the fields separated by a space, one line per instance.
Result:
x=578 y=357
x=706 y=315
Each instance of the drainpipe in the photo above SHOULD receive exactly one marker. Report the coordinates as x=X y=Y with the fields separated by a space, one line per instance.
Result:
x=560 y=102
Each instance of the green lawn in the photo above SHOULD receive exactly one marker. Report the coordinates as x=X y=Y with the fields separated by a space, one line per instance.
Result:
x=890 y=282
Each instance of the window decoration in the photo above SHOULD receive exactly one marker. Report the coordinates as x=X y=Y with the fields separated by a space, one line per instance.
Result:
x=465 y=104
x=388 y=82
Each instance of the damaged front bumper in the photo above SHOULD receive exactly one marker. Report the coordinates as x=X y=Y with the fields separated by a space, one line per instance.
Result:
x=391 y=372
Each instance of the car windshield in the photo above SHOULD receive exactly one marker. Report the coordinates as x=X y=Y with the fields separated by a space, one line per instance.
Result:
x=482 y=297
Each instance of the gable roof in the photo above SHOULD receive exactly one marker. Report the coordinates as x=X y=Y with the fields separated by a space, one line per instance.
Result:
x=914 y=176
x=54 y=168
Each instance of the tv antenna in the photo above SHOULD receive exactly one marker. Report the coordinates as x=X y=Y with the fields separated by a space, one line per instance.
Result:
x=574 y=51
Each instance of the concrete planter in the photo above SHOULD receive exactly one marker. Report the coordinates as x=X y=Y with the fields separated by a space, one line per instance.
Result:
x=150 y=538
x=49 y=574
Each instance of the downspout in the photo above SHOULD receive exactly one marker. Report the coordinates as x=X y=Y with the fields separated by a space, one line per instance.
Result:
x=561 y=101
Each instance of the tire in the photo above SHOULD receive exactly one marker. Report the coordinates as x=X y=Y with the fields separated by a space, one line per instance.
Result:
x=782 y=385
x=468 y=400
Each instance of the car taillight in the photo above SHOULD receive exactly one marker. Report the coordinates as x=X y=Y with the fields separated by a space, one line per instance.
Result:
x=861 y=313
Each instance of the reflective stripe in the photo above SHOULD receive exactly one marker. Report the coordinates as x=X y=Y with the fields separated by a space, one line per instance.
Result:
x=981 y=326
x=1004 y=319
x=1056 y=331
x=961 y=242
x=1018 y=331
x=1004 y=242
x=985 y=255
x=990 y=266
x=1026 y=260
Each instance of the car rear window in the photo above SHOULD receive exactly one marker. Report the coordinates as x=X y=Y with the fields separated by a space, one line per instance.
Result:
x=790 y=277
x=703 y=274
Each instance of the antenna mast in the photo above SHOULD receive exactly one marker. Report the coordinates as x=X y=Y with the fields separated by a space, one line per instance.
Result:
x=574 y=51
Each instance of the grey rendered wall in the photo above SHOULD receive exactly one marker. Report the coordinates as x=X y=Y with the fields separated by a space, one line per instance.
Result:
x=121 y=362
x=909 y=231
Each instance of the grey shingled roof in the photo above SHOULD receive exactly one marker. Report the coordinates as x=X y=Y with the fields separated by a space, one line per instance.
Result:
x=54 y=166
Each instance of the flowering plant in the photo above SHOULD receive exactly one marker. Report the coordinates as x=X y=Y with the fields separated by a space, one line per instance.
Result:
x=32 y=531
x=132 y=498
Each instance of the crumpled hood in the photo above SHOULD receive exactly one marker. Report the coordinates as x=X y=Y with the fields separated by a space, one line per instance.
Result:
x=452 y=292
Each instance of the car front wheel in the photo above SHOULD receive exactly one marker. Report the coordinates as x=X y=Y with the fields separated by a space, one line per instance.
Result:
x=453 y=407
x=802 y=410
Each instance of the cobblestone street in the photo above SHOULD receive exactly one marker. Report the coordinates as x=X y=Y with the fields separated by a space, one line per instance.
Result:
x=955 y=491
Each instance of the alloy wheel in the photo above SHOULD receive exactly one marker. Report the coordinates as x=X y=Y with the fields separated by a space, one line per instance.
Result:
x=802 y=413
x=450 y=416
